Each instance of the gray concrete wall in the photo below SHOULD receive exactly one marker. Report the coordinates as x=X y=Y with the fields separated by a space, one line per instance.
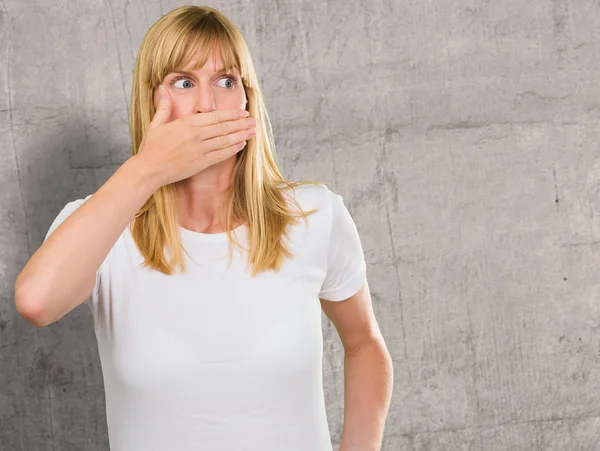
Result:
x=464 y=137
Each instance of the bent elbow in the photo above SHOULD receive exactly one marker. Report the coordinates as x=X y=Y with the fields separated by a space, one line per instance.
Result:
x=30 y=310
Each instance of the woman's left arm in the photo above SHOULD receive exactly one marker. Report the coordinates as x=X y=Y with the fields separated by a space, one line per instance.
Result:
x=368 y=383
x=368 y=371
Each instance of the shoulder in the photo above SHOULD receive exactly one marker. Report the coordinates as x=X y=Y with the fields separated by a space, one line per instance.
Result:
x=64 y=213
x=311 y=195
x=75 y=204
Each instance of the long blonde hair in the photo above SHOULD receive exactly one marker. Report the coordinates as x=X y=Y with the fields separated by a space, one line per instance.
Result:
x=255 y=196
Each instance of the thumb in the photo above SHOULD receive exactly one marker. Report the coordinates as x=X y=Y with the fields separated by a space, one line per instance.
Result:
x=163 y=110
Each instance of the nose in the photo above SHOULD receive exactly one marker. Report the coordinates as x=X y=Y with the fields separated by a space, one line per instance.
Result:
x=205 y=99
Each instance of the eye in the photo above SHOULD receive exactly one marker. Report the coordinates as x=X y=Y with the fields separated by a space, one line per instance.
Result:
x=187 y=82
x=231 y=82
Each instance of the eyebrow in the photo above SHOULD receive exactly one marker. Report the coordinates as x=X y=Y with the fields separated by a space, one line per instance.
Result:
x=219 y=72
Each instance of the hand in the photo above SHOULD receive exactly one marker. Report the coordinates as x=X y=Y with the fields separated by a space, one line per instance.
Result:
x=178 y=149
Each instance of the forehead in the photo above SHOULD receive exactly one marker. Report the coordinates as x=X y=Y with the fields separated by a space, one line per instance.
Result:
x=211 y=53
x=210 y=66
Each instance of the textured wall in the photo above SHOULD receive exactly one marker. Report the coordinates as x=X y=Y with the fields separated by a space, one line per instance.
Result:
x=464 y=136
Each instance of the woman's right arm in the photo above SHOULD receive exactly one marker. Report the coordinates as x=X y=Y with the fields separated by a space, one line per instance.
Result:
x=61 y=274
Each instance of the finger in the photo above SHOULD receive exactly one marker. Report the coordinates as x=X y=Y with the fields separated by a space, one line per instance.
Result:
x=224 y=141
x=225 y=128
x=214 y=117
x=218 y=155
x=163 y=110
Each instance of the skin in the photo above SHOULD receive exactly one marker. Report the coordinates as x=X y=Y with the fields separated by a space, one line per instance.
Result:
x=201 y=196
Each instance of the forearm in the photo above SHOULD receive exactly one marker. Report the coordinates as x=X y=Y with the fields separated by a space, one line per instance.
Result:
x=60 y=274
x=368 y=384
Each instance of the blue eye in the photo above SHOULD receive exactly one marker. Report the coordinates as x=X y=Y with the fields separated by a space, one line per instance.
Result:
x=233 y=81
x=187 y=82
x=178 y=79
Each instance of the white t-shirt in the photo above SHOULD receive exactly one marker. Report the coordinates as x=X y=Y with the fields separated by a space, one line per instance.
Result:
x=214 y=359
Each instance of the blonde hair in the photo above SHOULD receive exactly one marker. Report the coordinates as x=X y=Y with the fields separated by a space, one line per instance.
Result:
x=256 y=194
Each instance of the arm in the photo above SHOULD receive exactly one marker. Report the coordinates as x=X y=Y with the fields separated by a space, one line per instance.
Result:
x=368 y=371
x=368 y=383
x=61 y=274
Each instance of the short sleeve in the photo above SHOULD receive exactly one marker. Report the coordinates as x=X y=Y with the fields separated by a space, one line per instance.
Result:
x=62 y=215
x=346 y=266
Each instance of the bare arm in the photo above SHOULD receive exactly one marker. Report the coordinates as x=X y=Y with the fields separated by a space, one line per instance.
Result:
x=368 y=386
x=61 y=274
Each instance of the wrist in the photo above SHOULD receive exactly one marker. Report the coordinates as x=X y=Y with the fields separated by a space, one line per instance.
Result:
x=146 y=175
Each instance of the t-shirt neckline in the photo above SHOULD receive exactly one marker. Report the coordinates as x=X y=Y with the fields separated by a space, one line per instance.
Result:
x=208 y=237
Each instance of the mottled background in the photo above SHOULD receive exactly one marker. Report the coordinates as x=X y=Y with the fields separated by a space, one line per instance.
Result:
x=464 y=137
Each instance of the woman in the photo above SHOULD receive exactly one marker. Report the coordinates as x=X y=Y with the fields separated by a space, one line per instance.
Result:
x=200 y=352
